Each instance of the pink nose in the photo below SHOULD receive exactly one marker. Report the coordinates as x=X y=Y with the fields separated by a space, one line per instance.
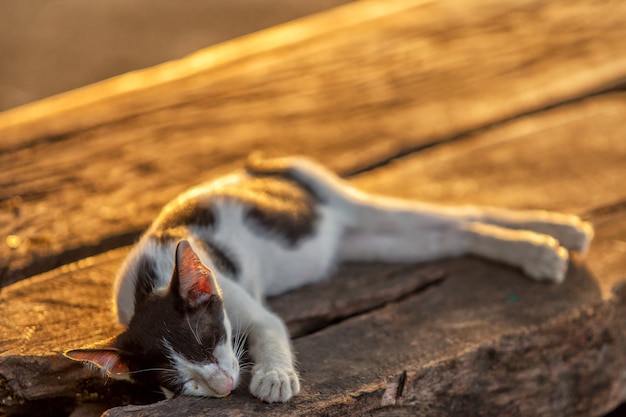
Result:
x=226 y=387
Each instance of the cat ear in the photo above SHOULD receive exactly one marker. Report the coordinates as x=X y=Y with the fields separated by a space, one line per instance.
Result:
x=192 y=281
x=106 y=358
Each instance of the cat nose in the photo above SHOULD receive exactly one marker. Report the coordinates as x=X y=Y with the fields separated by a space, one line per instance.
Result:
x=225 y=387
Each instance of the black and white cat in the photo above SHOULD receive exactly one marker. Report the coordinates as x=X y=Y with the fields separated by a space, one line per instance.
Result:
x=198 y=276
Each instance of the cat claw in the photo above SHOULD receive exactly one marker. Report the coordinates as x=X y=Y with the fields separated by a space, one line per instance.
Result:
x=274 y=384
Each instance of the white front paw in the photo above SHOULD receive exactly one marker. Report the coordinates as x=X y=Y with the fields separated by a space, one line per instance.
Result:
x=274 y=383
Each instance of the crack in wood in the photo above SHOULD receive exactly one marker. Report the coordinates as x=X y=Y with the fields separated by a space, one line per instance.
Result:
x=403 y=282
x=401 y=382
x=393 y=392
x=614 y=87
x=607 y=210
x=69 y=255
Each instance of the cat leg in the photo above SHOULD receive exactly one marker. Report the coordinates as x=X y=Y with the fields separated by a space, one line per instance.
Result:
x=389 y=215
x=409 y=246
x=369 y=212
x=571 y=232
x=274 y=378
x=539 y=256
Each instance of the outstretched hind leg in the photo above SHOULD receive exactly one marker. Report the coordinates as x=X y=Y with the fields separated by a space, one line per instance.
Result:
x=390 y=229
x=538 y=255
x=571 y=232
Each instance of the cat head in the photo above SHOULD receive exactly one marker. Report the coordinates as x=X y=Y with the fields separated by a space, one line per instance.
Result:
x=179 y=339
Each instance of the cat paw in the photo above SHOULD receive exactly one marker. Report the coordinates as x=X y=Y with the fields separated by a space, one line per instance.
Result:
x=547 y=261
x=571 y=231
x=577 y=235
x=274 y=384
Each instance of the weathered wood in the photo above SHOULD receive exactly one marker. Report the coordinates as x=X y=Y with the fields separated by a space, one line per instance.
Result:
x=378 y=77
x=515 y=164
x=356 y=289
x=485 y=340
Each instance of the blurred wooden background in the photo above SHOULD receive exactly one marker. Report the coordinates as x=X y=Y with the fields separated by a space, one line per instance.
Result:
x=51 y=46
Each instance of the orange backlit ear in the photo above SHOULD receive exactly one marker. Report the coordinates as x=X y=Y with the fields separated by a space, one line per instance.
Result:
x=193 y=281
x=107 y=359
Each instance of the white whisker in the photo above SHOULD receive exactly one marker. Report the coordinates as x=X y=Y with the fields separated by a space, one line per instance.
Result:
x=246 y=364
x=239 y=341
x=149 y=370
x=195 y=334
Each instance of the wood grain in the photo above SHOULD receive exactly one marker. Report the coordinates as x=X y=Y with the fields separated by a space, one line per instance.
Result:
x=540 y=161
x=86 y=171
x=535 y=349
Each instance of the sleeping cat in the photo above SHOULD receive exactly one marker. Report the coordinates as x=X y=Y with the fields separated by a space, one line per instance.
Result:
x=198 y=276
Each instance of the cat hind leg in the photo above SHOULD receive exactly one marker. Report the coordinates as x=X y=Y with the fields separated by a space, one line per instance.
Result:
x=572 y=232
x=540 y=256
x=389 y=229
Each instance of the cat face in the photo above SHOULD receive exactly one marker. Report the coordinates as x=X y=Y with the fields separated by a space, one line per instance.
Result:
x=179 y=340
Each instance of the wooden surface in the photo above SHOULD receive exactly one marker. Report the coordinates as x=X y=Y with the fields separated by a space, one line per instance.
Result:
x=74 y=44
x=353 y=87
x=437 y=101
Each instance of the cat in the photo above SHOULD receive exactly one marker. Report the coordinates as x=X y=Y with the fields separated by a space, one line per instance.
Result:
x=196 y=280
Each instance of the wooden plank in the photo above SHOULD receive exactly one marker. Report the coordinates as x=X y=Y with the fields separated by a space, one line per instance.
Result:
x=516 y=164
x=535 y=349
x=352 y=87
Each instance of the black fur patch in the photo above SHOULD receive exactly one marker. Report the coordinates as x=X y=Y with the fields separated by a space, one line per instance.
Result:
x=223 y=261
x=165 y=319
x=146 y=279
x=277 y=205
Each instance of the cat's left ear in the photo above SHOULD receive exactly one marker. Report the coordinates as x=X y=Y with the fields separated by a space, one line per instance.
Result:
x=192 y=281
x=105 y=357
